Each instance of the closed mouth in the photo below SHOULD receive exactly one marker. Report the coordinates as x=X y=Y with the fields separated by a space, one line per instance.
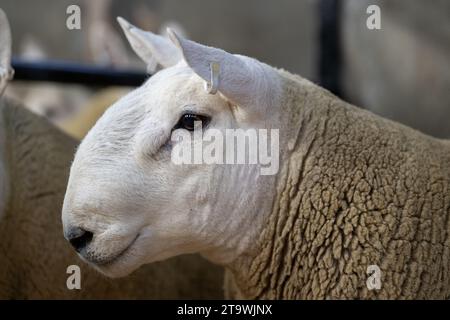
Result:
x=111 y=260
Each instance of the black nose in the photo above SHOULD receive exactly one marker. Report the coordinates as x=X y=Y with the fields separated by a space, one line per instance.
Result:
x=79 y=238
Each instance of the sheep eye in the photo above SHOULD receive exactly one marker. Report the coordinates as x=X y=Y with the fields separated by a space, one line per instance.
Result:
x=188 y=120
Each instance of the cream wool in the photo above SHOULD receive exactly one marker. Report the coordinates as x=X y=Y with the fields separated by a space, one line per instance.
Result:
x=356 y=190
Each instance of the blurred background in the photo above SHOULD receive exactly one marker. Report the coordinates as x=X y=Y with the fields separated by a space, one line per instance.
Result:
x=401 y=71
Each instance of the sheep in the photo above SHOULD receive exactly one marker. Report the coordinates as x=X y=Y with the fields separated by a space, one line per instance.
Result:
x=359 y=208
x=35 y=159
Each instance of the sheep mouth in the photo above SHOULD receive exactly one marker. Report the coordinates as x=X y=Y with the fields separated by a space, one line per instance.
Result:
x=112 y=259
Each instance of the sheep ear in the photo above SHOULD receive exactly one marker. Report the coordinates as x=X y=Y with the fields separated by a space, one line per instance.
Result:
x=6 y=71
x=242 y=80
x=153 y=49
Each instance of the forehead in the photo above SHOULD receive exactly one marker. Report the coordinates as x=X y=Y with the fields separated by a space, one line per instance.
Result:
x=176 y=87
x=175 y=80
x=157 y=104
x=169 y=88
x=159 y=95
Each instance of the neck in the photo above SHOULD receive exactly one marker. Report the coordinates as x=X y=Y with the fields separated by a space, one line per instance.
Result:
x=233 y=232
x=263 y=272
x=338 y=210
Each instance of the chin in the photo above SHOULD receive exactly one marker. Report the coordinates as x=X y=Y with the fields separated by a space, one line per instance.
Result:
x=141 y=251
x=115 y=270
x=122 y=265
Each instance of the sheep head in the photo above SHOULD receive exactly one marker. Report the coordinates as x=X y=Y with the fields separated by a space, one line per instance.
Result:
x=128 y=203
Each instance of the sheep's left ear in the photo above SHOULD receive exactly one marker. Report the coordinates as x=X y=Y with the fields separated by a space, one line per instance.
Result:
x=6 y=71
x=153 y=49
x=242 y=80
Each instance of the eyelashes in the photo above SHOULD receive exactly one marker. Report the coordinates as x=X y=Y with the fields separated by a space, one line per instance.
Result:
x=187 y=121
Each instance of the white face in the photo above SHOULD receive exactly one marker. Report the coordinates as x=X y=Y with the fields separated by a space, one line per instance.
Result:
x=137 y=205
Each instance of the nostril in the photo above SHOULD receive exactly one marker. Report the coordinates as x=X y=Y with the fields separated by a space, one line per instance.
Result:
x=80 y=238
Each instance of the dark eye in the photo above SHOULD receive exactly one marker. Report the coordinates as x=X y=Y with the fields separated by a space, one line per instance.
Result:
x=187 y=121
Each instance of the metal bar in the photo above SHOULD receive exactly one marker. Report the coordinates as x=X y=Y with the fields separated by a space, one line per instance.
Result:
x=330 y=60
x=75 y=73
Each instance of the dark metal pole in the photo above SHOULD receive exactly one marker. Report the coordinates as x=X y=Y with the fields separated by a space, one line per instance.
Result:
x=330 y=42
x=69 y=72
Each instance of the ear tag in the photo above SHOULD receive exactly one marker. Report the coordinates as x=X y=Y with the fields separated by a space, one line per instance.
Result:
x=212 y=86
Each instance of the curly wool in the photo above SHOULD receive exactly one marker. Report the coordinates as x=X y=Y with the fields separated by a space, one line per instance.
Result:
x=33 y=253
x=355 y=190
